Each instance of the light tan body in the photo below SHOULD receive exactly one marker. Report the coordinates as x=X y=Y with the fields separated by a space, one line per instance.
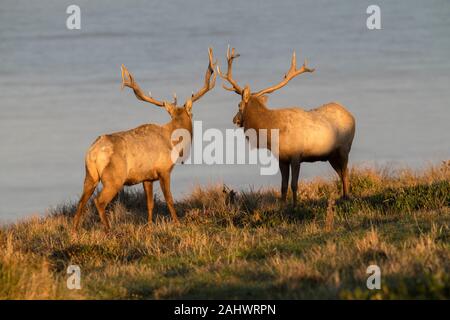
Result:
x=140 y=155
x=322 y=134
x=306 y=135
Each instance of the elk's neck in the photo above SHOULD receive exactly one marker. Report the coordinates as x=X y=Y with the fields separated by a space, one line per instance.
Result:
x=179 y=123
x=256 y=116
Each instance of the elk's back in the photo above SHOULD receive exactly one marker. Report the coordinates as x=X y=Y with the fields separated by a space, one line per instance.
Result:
x=138 y=154
x=313 y=135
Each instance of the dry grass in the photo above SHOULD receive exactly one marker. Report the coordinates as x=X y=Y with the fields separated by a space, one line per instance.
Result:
x=251 y=247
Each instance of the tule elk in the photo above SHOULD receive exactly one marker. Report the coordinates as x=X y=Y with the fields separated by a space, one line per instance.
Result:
x=140 y=155
x=321 y=134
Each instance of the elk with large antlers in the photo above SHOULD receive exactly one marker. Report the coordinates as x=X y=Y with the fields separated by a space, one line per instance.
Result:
x=322 y=134
x=140 y=155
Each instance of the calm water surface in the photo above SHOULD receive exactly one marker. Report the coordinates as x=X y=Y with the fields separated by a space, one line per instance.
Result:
x=59 y=89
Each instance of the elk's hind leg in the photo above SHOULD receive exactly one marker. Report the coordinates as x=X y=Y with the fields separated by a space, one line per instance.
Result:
x=88 y=189
x=112 y=183
x=339 y=163
x=295 y=167
x=284 y=168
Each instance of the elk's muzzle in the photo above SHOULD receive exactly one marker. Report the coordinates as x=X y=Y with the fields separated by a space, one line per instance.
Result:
x=237 y=120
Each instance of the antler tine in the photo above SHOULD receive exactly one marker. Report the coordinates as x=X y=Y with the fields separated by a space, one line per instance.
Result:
x=293 y=62
x=294 y=69
x=231 y=55
x=128 y=81
x=212 y=67
x=123 y=77
x=306 y=68
x=208 y=84
x=225 y=78
x=175 y=98
x=292 y=72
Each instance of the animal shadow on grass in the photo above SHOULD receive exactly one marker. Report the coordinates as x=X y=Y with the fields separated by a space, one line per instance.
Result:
x=83 y=254
x=263 y=207
x=129 y=204
x=135 y=202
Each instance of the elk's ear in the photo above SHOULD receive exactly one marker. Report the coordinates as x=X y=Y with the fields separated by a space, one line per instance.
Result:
x=188 y=106
x=170 y=108
x=246 y=94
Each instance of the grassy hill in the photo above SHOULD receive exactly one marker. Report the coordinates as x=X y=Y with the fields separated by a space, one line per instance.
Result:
x=252 y=247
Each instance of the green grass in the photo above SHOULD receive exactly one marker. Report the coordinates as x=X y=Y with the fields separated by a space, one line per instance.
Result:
x=251 y=248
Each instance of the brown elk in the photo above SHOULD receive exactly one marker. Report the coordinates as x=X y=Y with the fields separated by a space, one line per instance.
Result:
x=322 y=134
x=140 y=155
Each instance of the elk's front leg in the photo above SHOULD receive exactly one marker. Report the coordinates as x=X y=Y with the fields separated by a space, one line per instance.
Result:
x=164 y=181
x=148 y=187
x=284 y=168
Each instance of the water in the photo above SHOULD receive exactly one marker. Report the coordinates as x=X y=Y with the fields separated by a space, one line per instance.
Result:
x=59 y=89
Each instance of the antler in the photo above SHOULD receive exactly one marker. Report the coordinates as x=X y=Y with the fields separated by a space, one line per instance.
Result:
x=293 y=72
x=229 y=77
x=128 y=81
x=209 y=84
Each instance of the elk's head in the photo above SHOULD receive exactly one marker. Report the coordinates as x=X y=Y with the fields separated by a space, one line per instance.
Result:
x=249 y=98
x=184 y=112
